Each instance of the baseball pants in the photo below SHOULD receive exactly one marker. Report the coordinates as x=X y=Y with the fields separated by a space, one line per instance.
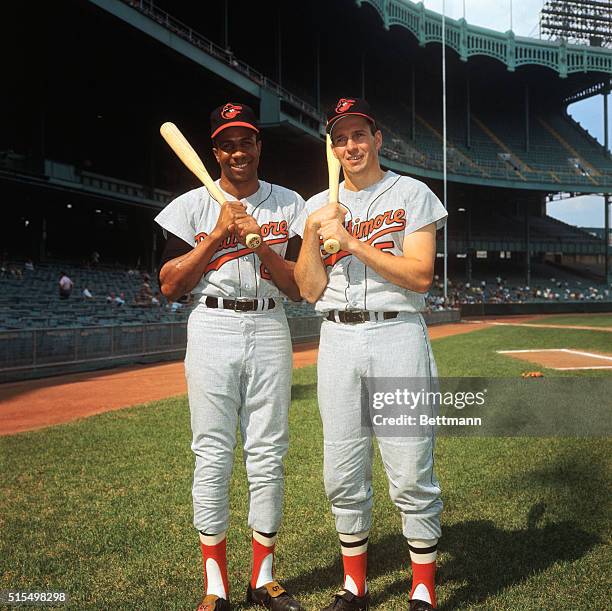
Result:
x=394 y=348
x=238 y=367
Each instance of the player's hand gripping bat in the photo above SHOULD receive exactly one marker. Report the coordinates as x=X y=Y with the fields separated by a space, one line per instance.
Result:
x=184 y=151
x=333 y=169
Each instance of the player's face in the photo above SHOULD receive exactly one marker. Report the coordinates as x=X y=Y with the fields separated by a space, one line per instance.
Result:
x=355 y=146
x=237 y=152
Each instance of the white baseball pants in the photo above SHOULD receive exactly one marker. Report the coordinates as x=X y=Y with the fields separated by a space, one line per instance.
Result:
x=238 y=367
x=347 y=352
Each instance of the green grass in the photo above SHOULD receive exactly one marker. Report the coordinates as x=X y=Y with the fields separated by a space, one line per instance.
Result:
x=475 y=354
x=102 y=508
x=586 y=320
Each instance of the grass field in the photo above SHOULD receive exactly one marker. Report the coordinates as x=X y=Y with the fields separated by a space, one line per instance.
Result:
x=102 y=507
x=587 y=320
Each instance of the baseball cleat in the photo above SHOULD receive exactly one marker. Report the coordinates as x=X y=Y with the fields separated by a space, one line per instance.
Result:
x=347 y=601
x=419 y=605
x=272 y=596
x=212 y=602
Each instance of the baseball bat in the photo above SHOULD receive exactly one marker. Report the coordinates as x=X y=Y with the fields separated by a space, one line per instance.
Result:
x=184 y=151
x=331 y=245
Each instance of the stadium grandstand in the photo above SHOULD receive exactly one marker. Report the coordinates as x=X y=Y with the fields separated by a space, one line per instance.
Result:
x=83 y=169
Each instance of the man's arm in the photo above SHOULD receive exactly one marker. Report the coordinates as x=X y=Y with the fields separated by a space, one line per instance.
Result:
x=280 y=269
x=179 y=276
x=413 y=270
x=310 y=271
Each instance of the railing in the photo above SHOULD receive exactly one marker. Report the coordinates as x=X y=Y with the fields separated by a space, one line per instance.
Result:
x=146 y=7
x=68 y=349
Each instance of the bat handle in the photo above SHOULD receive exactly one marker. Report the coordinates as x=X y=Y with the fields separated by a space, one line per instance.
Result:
x=253 y=240
x=331 y=246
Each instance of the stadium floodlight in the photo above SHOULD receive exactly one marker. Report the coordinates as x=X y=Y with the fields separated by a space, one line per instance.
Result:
x=578 y=21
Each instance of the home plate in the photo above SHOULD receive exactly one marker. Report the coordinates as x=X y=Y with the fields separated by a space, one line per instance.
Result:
x=563 y=359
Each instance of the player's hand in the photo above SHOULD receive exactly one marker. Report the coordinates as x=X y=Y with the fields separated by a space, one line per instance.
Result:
x=335 y=228
x=329 y=212
x=230 y=213
x=244 y=226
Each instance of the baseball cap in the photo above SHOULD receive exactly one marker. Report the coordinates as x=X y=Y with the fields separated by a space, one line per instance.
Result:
x=345 y=107
x=232 y=115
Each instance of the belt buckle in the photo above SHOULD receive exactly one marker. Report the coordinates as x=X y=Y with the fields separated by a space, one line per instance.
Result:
x=355 y=317
x=240 y=304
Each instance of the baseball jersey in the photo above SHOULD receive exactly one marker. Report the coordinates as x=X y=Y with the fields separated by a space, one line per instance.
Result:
x=380 y=215
x=235 y=271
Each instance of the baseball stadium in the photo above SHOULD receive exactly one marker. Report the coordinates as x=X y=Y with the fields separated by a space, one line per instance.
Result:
x=95 y=428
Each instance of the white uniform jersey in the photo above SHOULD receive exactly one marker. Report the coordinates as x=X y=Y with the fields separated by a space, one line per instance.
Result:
x=235 y=271
x=381 y=215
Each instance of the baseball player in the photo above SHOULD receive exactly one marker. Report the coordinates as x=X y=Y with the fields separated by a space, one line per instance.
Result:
x=239 y=360
x=371 y=294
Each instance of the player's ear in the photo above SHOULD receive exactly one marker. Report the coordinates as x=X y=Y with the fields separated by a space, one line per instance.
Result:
x=215 y=151
x=378 y=139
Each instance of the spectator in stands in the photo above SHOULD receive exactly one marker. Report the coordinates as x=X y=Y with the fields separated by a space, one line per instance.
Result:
x=156 y=299
x=110 y=298
x=65 y=286
x=95 y=258
x=29 y=265
x=119 y=299
x=87 y=294
x=15 y=272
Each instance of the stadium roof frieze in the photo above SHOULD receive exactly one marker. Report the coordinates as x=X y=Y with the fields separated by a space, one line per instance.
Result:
x=469 y=40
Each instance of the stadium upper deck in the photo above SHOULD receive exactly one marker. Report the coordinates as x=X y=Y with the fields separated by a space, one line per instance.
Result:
x=507 y=95
x=82 y=139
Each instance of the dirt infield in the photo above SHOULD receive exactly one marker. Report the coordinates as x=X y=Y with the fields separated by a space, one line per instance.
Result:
x=30 y=405
x=562 y=359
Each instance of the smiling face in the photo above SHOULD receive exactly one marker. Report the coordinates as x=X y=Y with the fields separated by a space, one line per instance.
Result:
x=355 y=146
x=237 y=151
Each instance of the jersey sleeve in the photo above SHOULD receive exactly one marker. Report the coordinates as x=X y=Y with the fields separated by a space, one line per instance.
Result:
x=178 y=217
x=423 y=208
x=314 y=203
x=295 y=222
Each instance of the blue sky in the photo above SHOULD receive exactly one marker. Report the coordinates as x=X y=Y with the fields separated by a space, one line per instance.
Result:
x=587 y=211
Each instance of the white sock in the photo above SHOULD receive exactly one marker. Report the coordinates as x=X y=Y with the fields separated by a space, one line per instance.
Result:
x=214 y=582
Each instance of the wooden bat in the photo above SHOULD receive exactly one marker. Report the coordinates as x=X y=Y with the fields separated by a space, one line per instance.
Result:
x=333 y=170
x=184 y=151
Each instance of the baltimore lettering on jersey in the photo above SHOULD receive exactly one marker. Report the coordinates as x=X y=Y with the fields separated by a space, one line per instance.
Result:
x=278 y=229
x=370 y=230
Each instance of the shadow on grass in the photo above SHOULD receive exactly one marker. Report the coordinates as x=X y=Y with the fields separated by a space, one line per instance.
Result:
x=486 y=558
x=303 y=391
x=490 y=559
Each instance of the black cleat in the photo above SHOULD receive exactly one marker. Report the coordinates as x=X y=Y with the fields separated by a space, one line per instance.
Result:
x=347 y=601
x=211 y=602
x=419 y=605
x=272 y=596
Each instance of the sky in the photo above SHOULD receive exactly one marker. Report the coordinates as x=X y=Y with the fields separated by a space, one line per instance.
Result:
x=586 y=211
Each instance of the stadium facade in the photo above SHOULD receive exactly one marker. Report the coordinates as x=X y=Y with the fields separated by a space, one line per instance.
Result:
x=83 y=168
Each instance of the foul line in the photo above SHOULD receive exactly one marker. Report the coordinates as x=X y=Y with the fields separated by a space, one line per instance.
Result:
x=567 y=350
x=543 y=326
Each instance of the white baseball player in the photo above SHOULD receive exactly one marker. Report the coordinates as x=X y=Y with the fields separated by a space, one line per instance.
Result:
x=239 y=359
x=371 y=294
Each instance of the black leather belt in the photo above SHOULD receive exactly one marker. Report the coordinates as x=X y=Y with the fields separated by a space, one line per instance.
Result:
x=240 y=305
x=354 y=317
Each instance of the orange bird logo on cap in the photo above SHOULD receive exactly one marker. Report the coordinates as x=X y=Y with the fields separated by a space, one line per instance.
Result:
x=230 y=111
x=344 y=104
